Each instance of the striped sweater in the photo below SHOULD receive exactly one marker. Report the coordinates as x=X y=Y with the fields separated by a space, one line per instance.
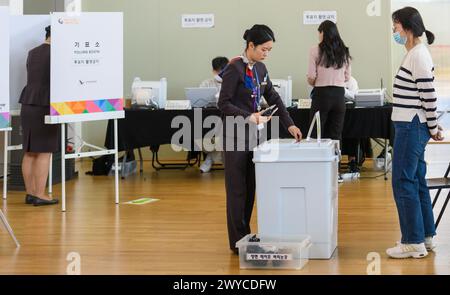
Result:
x=414 y=92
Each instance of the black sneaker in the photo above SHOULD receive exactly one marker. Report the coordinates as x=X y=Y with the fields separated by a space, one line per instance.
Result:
x=353 y=167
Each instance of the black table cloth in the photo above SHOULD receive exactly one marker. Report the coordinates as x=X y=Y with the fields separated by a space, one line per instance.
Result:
x=145 y=128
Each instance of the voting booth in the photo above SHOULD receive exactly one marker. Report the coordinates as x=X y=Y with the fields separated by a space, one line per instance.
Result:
x=86 y=79
x=297 y=191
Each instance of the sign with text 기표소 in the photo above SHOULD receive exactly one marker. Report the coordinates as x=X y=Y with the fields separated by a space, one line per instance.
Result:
x=86 y=64
x=317 y=17
x=4 y=67
x=197 y=21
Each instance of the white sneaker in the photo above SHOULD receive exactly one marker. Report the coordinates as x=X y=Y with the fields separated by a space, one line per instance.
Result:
x=429 y=243
x=407 y=250
x=207 y=165
x=340 y=179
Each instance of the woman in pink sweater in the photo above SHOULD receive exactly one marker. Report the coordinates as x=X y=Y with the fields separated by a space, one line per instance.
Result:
x=329 y=69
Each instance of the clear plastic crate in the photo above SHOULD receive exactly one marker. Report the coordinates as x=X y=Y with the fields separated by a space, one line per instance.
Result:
x=126 y=170
x=264 y=252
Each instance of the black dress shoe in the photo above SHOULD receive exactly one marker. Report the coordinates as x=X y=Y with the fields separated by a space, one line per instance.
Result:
x=29 y=199
x=42 y=202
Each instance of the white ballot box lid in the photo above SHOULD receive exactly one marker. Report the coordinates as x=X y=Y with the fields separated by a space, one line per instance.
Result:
x=287 y=150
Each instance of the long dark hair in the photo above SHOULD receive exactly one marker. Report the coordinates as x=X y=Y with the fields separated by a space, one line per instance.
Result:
x=410 y=19
x=259 y=34
x=332 y=50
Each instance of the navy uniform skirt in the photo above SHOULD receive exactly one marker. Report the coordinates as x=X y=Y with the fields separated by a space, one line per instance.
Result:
x=38 y=137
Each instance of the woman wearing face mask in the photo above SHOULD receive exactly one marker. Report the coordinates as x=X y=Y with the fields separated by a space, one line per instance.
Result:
x=329 y=70
x=245 y=81
x=414 y=117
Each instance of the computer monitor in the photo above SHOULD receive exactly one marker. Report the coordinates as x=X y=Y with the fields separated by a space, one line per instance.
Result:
x=202 y=97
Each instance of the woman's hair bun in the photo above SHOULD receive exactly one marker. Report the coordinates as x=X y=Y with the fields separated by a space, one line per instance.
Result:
x=247 y=32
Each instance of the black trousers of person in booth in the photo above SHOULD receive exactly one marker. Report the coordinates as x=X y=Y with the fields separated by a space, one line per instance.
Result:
x=330 y=102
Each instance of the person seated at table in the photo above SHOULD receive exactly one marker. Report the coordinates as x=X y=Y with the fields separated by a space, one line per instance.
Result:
x=351 y=88
x=218 y=64
x=351 y=145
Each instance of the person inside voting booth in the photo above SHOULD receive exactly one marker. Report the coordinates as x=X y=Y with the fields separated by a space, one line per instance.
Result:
x=218 y=64
x=40 y=140
x=245 y=81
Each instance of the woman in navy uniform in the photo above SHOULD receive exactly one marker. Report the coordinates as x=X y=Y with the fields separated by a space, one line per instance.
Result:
x=39 y=139
x=245 y=81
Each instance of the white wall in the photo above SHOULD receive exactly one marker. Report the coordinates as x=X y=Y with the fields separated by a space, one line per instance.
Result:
x=16 y=6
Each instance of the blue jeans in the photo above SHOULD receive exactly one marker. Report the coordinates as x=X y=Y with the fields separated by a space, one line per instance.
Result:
x=410 y=189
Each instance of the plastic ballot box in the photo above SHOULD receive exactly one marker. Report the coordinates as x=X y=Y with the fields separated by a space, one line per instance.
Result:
x=297 y=191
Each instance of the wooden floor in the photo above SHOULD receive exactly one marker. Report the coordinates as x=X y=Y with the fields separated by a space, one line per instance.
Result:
x=185 y=232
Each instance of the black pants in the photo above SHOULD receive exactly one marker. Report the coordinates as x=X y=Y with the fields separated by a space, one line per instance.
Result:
x=350 y=147
x=240 y=185
x=330 y=101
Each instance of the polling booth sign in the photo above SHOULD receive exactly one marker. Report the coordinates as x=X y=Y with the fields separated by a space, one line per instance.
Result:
x=86 y=66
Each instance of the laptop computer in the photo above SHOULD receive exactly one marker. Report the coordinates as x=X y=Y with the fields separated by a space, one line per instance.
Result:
x=202 y=97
